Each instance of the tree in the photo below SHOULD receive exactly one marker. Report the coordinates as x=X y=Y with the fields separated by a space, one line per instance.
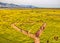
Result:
x=35 y=36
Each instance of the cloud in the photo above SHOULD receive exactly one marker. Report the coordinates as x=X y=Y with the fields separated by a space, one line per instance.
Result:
x=39 y=3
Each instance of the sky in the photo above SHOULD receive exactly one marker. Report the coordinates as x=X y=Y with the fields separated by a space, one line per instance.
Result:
x=38 y=3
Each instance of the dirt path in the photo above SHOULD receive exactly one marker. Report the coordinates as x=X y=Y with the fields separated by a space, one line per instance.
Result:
x=33 y=36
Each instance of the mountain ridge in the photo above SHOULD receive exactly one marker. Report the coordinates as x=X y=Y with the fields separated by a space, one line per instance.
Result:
x=7 y=5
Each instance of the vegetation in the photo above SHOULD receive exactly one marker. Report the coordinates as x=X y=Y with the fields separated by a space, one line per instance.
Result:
x=29 y=20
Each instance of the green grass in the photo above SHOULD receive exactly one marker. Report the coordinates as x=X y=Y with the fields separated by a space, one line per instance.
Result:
x=30 y=20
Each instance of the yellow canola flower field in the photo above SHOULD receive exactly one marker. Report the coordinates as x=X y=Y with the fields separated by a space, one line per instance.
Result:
x=29 y=20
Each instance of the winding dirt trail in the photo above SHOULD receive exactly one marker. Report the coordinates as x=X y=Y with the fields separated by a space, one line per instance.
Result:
x=35 y=36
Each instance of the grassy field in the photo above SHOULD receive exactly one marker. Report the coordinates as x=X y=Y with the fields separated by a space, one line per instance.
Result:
x=29 y=20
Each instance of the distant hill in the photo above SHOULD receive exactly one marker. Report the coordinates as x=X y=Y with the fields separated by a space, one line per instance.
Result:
x=7 y=5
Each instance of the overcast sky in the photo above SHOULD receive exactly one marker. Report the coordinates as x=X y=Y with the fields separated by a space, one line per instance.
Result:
x=39 y=3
